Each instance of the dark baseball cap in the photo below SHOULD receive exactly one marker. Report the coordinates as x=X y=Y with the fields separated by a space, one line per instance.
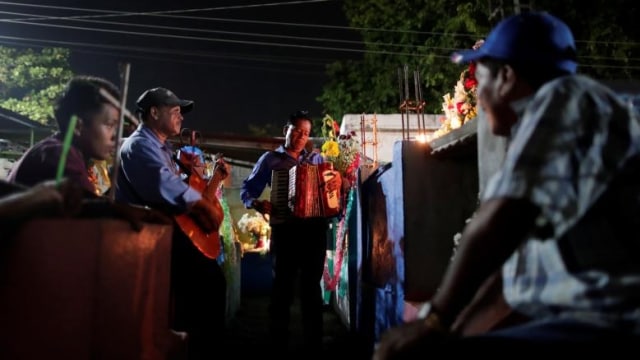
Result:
x=536 y=38
x=160 y=96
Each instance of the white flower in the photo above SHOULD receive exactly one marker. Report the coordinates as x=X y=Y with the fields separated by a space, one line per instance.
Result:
x=255 y=225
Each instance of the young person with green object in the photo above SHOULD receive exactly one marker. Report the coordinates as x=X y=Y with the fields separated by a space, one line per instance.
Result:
x=92 y=122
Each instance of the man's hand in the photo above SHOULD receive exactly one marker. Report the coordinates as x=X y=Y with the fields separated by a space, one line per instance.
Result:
x=208 y=214
x=64 y=198
x=262 y=206
x=408 y=340
x=335 y=183
x=44 y=199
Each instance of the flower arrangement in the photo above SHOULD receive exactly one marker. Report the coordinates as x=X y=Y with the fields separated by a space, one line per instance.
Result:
x=462 y=106
x=257 y=227
x=342 y=150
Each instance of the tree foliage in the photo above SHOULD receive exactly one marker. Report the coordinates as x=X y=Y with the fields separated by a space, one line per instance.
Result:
x=423 y=34
x=31 y=80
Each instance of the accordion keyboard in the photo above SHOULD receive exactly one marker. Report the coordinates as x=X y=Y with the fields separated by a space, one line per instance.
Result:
x=279 y=196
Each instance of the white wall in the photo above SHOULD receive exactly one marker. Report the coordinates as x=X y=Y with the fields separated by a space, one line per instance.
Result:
x=389 y=130
x=5 y=166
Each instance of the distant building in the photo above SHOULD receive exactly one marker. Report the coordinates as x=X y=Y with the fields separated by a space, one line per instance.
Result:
x=20 y=129
x=389 y=130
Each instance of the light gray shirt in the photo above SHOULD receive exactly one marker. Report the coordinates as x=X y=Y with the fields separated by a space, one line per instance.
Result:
x=573 y=137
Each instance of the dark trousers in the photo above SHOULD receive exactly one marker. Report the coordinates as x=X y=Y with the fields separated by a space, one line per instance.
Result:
x=535 y=338
x=198 y=291
x=298 y=250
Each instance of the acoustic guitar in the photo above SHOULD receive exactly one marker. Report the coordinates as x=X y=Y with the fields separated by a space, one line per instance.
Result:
x=207 y=242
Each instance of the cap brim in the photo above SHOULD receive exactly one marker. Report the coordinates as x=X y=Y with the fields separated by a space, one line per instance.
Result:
x=466 y=56
x=185 y=106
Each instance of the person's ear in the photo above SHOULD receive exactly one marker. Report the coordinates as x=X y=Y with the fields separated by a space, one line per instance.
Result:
x=153 y=111
x=78 y=129
x=507 y=78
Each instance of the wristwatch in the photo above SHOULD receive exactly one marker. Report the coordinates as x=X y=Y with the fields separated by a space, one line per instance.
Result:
x=430 y=317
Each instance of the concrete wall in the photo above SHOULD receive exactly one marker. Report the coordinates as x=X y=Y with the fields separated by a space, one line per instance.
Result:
x=491 y=151
x=389 y=130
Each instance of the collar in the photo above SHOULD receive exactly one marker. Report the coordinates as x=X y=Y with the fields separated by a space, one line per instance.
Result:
x=146 y=132
x=520 y=107
x=281 y=149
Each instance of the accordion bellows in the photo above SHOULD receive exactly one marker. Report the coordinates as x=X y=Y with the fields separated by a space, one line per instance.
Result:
x=302 y=192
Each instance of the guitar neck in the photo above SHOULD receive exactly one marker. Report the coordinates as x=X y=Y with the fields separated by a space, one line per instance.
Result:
x=213 y=185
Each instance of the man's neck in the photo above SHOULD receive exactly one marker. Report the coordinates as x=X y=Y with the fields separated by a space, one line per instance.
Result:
x=292 y=152
x=161 y=136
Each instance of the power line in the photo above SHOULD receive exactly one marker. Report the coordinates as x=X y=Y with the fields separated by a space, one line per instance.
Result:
x=40 y=17
x=261 y=43
x=244 y=42
x=342 y=49
x=163 y=51
x=234 y=7
x=172 y=14
x=208 y=31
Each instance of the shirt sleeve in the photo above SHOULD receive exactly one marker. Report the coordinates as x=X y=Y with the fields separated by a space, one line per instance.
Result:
x=560 y=158
x=154 y=181
x=255 y=183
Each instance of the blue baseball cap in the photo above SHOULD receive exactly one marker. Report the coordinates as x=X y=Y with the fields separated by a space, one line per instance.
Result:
x=536 y=38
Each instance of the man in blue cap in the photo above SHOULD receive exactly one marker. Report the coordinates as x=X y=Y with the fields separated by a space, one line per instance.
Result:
x=560 y=218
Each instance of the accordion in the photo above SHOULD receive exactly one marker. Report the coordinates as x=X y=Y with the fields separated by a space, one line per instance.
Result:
x=301 y=192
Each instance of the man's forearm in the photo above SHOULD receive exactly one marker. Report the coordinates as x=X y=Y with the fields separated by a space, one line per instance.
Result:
x=490 y=238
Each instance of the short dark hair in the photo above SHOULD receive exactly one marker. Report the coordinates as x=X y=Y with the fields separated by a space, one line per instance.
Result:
x=81 y=97
x=298 y=115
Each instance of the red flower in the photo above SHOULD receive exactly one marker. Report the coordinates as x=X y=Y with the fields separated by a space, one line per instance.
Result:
x=472 y=70
x=470 y=83
x=336 y=128
x=470 y=77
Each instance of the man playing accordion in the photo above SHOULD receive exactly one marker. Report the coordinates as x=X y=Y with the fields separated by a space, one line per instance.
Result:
x=298 y=244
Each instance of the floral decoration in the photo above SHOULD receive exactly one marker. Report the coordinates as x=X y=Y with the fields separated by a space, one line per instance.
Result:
x=257 y=227
x=462 y=106
x=342 y=150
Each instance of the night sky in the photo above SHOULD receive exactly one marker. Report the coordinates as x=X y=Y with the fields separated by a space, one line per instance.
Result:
x=227 y=67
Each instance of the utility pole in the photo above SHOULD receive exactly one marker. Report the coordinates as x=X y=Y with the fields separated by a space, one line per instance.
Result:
x=497 y=13
x=518 y=7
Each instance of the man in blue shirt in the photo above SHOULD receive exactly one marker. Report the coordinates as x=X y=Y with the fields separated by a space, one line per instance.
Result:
x=297 y=245
x=148 y=176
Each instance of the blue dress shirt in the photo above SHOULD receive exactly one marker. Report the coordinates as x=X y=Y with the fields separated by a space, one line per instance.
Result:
x=148 y=175
x=260 y=177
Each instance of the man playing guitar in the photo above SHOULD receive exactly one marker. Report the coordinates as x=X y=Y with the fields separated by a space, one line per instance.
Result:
x=148 y=176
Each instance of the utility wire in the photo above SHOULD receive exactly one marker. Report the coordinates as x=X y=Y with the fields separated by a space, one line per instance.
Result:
x=208 y=31
x=171 y=14
x=245 y=42
x=418 y=47
x=79 y=47
x=261 y=43
x=20 y=41
x=344 y=49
